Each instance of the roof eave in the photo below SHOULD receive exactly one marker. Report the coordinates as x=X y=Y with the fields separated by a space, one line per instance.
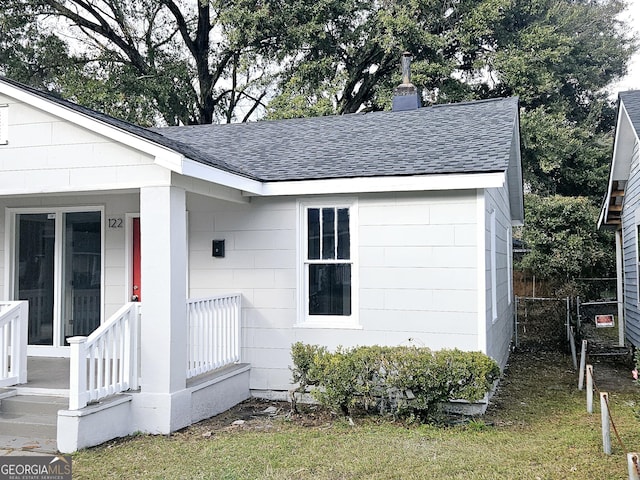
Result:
x=209 y=173
x=409 y=183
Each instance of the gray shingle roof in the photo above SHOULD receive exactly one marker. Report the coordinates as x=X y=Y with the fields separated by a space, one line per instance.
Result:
x=471 y=137
x=631 y=101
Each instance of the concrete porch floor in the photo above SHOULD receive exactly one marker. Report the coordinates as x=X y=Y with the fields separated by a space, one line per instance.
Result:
x=47 y=373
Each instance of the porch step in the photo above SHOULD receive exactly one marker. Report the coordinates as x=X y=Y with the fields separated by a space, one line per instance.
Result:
x=30 y=415
x=35 y=404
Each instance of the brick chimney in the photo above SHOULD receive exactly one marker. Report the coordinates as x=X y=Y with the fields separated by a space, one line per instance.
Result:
x=405 y=95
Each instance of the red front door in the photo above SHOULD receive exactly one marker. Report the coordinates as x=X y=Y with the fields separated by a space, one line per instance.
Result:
x=136 y=293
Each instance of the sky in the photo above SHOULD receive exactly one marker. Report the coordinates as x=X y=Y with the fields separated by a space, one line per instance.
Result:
x=632 y=80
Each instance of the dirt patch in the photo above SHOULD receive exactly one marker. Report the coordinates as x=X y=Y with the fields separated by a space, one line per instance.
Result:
x=257 y=414
x=613 y=374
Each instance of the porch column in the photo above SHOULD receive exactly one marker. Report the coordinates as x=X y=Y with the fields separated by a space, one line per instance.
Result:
x=163 y=340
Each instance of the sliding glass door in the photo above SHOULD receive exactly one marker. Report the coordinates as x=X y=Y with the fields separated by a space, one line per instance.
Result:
x=58 y=269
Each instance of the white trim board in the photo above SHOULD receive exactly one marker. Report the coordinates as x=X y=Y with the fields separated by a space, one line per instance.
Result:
x=384 y=184
x=199 y=170
x=481 y=273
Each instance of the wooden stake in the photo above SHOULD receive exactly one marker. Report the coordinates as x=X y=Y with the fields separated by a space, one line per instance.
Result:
x=606 y=428
x=583 y=360
x=589 y=388
x=632 y=462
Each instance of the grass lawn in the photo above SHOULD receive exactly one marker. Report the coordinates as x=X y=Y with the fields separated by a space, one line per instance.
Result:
x=537 y=428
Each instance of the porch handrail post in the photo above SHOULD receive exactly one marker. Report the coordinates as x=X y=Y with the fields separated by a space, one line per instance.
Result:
x=134 y=333
x=22 y=340
x=77 y=373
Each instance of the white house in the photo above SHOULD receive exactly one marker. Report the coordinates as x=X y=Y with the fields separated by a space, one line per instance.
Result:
x=621 y=212
x=238 y=240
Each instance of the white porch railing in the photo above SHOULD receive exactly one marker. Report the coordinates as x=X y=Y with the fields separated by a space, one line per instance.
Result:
x=14 y=317
x=214 y=333
x=105 y=362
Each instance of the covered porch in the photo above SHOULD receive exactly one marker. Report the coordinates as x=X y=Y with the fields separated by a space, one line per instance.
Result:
x=96 y=394
x=154 y=365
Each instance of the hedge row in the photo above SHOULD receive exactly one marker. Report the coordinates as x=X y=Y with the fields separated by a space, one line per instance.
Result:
x=402 y=381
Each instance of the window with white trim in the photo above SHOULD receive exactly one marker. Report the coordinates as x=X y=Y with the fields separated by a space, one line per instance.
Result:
x=328 y=263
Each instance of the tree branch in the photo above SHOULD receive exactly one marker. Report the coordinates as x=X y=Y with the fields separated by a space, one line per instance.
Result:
x=257 y=102
x=182 y=25
x=101 y=28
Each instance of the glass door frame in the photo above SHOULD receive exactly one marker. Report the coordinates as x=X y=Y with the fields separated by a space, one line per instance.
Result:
x=58 y=349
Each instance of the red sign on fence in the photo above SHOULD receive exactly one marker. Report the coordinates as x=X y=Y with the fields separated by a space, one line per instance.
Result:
x=604 y=321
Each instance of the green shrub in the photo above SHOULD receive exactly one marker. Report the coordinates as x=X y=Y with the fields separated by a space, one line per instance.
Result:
x=402 y=381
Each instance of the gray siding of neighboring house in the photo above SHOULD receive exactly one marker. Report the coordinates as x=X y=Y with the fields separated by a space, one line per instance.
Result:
x=630 y=221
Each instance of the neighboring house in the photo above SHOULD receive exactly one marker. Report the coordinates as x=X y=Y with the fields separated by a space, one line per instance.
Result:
x=386 y=228
x=621 y=211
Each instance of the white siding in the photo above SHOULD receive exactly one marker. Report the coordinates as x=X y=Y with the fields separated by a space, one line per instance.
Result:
x=260 y=263
x=417 y=261
x=48 y=154
x=417 y=269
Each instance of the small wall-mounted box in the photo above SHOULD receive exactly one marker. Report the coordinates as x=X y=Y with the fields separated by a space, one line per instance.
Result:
x=217 y=249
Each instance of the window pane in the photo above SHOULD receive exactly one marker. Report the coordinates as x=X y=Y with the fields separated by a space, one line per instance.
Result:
x=344 y=249
x=313 y=232
x=35 y=254
x=330 y=289
x=82 y=273
x=328 y=233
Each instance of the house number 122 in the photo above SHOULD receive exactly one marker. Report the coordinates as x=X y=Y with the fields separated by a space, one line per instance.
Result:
x=115 y=222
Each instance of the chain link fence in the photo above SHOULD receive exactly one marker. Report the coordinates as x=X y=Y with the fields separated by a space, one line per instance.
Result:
x=541 y=323
x=589 y=313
